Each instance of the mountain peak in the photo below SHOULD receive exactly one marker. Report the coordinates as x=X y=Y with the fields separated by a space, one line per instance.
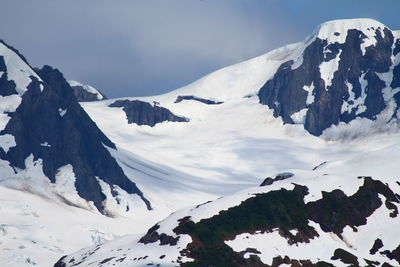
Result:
x=336 y=30
x=15 y=68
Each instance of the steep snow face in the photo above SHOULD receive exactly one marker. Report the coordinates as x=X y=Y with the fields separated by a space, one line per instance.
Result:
x=86 y=93
x=15 y=77
x=350 y=66
x=16 y=69
x=240 y=80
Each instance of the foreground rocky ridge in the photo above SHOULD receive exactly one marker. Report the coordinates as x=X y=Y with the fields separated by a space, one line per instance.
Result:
x=282 y=225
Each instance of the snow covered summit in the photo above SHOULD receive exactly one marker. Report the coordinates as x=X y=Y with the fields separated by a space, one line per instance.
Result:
x=347 y=70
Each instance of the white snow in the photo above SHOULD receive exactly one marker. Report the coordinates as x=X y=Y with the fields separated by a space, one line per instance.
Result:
x=230 y=148
x=273 y=244
x=8 y=104
x=45 y=144
x=62 y=112
x=6 y=142
x=17 y=70
x=300 y=116
x=310 y=96
x=328 y=69
x=222 y=154
x=326 y=30
x=42 y=221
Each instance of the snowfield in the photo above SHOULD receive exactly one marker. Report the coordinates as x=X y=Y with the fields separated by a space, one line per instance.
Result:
x=220 y=156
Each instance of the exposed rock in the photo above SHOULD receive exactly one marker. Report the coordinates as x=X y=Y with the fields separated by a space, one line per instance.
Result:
x=143 y=113
x=345 y=257
x=278 y=177
x=320 y=165
x=377 y=245
x=285 y=92
x=199 y=99
x=267 y=181
x=336 y=210
x=83 y=95
x=153 y=236
x=284 y=210
x=72 y=136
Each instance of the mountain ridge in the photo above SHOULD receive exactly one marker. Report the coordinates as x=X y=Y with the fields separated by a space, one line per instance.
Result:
x=50 y=102
x=208 y=164
x=343 y=196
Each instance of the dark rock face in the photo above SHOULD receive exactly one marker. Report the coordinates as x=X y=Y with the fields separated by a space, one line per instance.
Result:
x=143 y=113
x=83 y=95
x=336 y=210
x=6 y=87
x=278 y=177
x=285 y=210
x=55 y=117
x=345 y=257
x=377 y=245
x=199 y=99
x=284 y=93
x=153 y=236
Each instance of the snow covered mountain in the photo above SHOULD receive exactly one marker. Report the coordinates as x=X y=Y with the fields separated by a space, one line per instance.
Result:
x=86 y=93
x=345 y=70
x=55 y=165
x=325 y=109
x=60 y=132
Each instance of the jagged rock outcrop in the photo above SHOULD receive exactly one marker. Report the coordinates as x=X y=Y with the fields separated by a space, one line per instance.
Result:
x=86 y=93
x=347 y=70
x=198 y=99
x=143 y=113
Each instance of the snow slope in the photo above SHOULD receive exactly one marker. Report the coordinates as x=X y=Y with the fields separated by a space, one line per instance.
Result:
x=368 y=156
x=224 y=150
x=232 y=146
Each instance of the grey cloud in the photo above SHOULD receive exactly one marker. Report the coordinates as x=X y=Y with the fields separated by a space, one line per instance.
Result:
x=133 y=48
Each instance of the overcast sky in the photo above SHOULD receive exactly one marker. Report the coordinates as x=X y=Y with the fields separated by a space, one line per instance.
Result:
x=138 y=48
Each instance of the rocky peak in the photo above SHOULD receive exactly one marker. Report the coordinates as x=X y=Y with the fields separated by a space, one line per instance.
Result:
x=346 y=70
x=41 y=117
